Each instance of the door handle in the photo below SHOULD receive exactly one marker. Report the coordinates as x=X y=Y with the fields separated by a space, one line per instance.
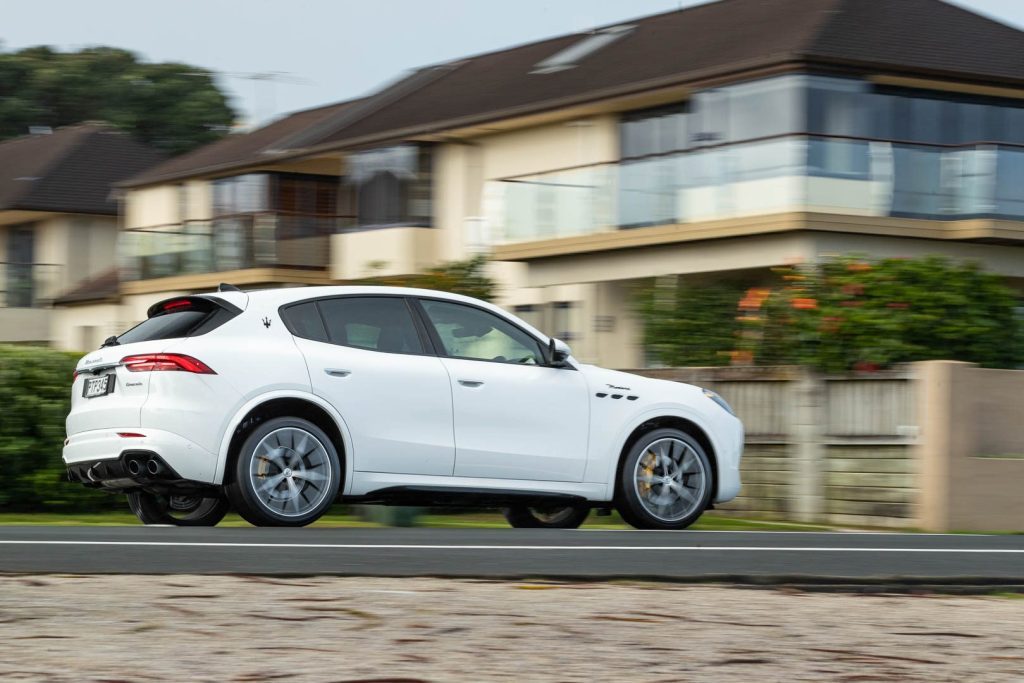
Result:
x=335 y=372
x=470 y=382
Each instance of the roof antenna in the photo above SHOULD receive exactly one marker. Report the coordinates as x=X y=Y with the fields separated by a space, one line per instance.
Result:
x=225 y=287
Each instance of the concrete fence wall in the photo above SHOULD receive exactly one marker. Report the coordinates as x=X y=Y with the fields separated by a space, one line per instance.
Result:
x=935 y=445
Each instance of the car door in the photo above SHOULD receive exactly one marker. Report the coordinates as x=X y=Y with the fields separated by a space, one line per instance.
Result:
x=370 y=358
x=515 y=417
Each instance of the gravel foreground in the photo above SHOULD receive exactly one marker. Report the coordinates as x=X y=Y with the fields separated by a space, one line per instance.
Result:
x=221 y=628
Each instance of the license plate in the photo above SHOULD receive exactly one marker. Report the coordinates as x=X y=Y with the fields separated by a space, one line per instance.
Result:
x=98 y=386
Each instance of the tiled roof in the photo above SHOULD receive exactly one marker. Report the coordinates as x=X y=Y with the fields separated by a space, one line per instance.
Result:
x=71 y=170
x=720 y=40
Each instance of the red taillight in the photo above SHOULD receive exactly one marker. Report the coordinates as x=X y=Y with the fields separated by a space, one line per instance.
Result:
x=174 y=305
x=131 y=435
x=74 y=376
x=163 y=362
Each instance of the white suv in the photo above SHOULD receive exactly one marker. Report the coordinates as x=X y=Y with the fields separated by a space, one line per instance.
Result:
x=277 y=402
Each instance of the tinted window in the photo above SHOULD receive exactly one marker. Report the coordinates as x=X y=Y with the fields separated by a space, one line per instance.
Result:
x=376 y=323
x=181 y=318
x=304 y=321
x=468 y=332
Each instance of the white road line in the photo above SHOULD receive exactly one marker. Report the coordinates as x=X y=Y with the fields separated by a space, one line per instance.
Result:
x=386 y=546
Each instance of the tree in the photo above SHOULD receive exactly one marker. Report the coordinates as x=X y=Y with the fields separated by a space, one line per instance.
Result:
x=688 y=324
x=466 y=277
x=854 y=313
x=173 y=107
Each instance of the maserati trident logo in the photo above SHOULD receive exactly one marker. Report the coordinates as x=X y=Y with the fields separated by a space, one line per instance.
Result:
x=266 y=323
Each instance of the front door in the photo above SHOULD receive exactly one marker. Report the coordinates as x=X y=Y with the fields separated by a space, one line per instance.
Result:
x=371 y=363
x=515 y=418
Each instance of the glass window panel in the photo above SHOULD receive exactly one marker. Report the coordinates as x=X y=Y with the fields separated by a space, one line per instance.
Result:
x=375 y=323
x=468 y=332
x=766 y=108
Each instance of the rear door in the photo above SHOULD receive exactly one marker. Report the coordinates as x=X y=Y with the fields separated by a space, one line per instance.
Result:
x=371 y=359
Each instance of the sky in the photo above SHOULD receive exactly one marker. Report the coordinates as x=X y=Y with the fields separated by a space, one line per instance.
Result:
x=325 y=50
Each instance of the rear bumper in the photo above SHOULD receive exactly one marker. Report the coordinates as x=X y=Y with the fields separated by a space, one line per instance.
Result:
x=106 y=456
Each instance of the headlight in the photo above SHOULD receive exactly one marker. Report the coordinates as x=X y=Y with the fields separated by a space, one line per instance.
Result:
x=720 y=401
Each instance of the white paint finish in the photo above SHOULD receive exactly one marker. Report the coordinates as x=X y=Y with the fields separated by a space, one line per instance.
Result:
x=520 y=422
x=523 y=427
x=398 y=406
x=188 y=458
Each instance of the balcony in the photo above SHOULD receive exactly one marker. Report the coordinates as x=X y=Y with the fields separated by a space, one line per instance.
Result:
x=26 y=292
x=796 y=173
x=230 y=243
x=28 y=285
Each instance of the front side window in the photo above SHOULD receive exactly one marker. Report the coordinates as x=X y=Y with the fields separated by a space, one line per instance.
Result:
x=468 y=332
x=373 y=323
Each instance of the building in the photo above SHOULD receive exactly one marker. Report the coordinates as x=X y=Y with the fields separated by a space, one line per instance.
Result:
x=58 y=221
x=716 y=141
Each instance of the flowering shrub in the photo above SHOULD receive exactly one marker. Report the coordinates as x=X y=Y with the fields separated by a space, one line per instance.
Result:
x=852 y=313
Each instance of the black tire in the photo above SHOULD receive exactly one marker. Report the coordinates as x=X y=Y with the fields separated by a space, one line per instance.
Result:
x=152 y=508
x=241 y=488
x=523 y=517
x=628 y=501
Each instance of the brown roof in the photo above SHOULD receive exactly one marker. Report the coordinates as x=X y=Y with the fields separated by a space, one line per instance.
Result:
x=239 y=148
x=100 y=288
x=716 y=40
x=70 y=170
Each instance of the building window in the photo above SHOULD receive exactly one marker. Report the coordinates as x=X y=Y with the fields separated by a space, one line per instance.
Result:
x=241 y=194
x=392 y=186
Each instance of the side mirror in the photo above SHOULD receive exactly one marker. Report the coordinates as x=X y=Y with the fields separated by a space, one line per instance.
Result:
x=558 y=352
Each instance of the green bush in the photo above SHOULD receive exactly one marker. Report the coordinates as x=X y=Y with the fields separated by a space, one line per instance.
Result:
x=853 y=313
x=35 y=396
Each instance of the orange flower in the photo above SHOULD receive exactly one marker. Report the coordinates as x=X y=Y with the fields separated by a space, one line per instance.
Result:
x=804 y=304
x=858 y=267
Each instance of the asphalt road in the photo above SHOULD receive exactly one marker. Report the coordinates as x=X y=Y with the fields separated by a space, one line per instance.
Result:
x=519 y=553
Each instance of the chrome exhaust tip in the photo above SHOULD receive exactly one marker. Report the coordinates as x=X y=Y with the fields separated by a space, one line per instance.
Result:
x=134 y=468
x=154 y=467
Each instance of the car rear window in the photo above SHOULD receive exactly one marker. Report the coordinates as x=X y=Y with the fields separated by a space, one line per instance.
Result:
x=175 y=318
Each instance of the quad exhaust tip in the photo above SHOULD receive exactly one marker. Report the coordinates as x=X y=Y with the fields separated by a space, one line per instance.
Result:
x=154 y=467
x=134 y=467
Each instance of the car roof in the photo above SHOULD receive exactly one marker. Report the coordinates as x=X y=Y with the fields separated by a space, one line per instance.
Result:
x=280 y=296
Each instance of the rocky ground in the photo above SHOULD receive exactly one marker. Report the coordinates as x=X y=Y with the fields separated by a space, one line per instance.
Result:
x=216 y=628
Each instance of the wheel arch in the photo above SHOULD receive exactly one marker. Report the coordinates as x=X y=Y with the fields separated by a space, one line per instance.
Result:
x=683 y=424
x=285 y=404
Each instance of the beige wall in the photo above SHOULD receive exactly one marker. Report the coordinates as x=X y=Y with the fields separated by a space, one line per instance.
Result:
x=550 y=147
x=388 y=251
x=152 y=206
x=972 y=447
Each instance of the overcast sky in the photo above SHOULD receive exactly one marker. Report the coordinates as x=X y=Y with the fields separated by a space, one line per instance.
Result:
x=327 y=50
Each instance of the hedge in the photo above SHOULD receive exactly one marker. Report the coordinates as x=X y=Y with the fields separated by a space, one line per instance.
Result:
x=35 y=396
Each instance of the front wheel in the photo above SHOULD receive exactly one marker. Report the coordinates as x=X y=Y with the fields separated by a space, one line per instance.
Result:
x=287 y=474
x=152 y=508
x=522 y=517
x=666 y=481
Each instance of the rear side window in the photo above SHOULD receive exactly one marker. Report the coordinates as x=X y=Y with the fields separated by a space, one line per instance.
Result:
x=303 y=320
x=176 y=318
x=375 y=323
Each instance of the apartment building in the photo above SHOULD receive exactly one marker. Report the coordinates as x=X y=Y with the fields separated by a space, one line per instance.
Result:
x=716 y=142
x=58 y=222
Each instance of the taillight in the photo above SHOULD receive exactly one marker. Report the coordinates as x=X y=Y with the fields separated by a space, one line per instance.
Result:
x=74 y=376
x=165 y=362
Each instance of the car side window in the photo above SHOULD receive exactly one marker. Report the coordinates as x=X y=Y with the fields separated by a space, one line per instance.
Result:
x=468 y=332
x=303 y=320
x=374 y=323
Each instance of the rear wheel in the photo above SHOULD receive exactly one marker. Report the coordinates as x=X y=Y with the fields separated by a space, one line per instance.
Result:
x=666 y=481
x=287 y=474
x=152 y=508
x=523 y=517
